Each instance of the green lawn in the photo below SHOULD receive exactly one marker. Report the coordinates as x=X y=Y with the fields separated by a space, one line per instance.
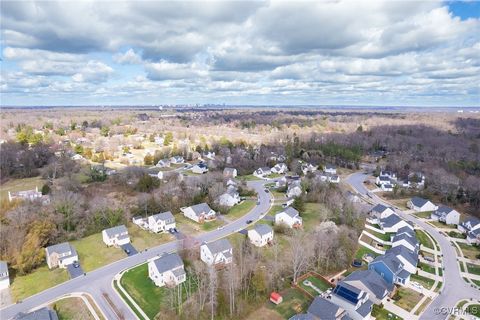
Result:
x=319 y=283
x=274 y=175
x=425 y=282
x=457 y=235
x=72 y=309
x=274 y=210
x=249 y=177
x=364 y=250
x=473 y=268
x=425 y=215
x=278 y=196
x=439 y=286
x=142 y=239
x=383 y=314
x=423 y=306
x=39 y=280
x=240 y=209
x=440 y=225
x=312 y=215
x=424 y=239
x=426 y=267
x=382 y=236
x=294 y=302
x=211 y=225
x=477 y=282
x=408 y=298
x=93 y=253
x=148 y=296
x=16 y=185
x=474 y=309
x=469 y=252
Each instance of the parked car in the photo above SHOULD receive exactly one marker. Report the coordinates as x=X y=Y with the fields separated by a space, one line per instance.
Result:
x=127 y=251
x=76 y=264
x=249 y=221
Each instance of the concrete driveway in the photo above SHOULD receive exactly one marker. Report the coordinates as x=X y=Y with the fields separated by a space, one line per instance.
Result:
x=129 y=249
x=75 y=272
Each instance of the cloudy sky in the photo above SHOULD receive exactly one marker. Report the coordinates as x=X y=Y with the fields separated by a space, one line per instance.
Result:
x=317 y=53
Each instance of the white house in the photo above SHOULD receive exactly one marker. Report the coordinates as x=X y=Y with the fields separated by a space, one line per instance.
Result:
x=158 y=175
x=333 y=178
x=446 y=215
x=168 y=270
x=177 y=159
x=116 y=236
x=29 y=195
x=200 y=168
x=387 y=187
x=218 y=252
x=289 y=217
x=260 y=235
x=261 y=172
x=161 y=222
x=61 y=255
x=380 y=181
x=473 y=237
x=407 y=240
x=421 y=205
x=229 y=198
x=199 y=213
x=388 y=174
x=330 y=169
x=308 y=167
x=4 y=276
x=294 y=189
x=392 y=223
x=380 y=212
x=163 y=163
x=209 y=155
x=279 y=168
x=469 y=225
x=229 y=173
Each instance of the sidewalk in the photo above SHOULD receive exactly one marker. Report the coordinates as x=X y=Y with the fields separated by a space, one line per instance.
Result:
x=390 y=306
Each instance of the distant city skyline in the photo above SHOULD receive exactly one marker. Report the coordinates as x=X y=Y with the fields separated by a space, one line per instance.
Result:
x=349 y=53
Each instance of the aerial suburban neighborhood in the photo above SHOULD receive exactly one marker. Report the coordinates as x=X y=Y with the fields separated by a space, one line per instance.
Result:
x=254 y=160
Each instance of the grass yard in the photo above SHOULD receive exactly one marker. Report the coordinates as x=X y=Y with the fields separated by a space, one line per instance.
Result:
x=438 y=287
x=382 y=236
x=240 y=209
x=148 y=296
x=249 y=177
x=264 y=313
x=423 y=306
x=274 y=210
x=142 y=239
x=72 y=309
x=473 y=268
x=319 y=283
x=383 y=314
x=440 y=225
x=424 y=239
x=293 y=302
x=211 y=225
x=278 y=196
x=474 y=309
x=93 y=253
x=426 y=267
x=312 y=215
x=424 y=215
x=39 y=280
x=425 y=282
x=469 y=252
x=457 y=235
x=364 y=250
x=408 y=298
x=477 y=282
x=16 y=185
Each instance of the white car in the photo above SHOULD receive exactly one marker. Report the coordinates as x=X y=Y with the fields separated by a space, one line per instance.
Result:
x=417 y=285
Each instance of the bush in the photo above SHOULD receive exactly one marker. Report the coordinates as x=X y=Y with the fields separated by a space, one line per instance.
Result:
x=147 y=183
x=282 y=228
x=45 y=189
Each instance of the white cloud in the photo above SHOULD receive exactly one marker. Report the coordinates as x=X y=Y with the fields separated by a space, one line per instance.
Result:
x=129 y=57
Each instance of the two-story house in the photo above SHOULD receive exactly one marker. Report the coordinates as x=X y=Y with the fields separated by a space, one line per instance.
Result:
x=116 y=236
x=446 y=215
x=219 y=252
x=161 y=222
x=167 y=270
x=290 y=217
x=260 y=235
x=199 y=213
x=61 y=255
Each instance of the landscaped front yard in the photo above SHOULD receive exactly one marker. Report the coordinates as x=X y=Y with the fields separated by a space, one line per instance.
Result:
x=142 y=239
x=240 y=209
x=146 y=294
x=383 y=314
x=473 y=268
x=39 y=280
x=424 y=239
x=426 y=267
x=408 y=298
x=424 y=215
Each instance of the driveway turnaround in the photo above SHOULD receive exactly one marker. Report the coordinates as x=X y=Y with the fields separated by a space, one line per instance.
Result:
x=454 y=287
x=98 y=282
x=129 y=249
x=75 y=271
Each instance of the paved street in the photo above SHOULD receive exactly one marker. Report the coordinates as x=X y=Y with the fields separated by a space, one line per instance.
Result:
x=99 y=282
x=454 y=287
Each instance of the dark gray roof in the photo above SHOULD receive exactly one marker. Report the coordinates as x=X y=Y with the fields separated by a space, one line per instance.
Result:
x=411 y=240
x=302 y=316
x=365 y=308
x=163 y=216
x=410 y=256
x=111 y=232
x=390 y=221
x=330 y=166
x=406 y=230
x=61 y=248
x=384 y=178
x=201 y=208
x=292 y=212
x=419 y=202
x=404 y=274
x=472 y=221
x=379 y=208
x=263 y=229
x=3 y=267
x=323 y=308
x=443 y=210
x=372 y=280
x=168 y=262
x=219 y=246
x=40 y=314
x=391 y=261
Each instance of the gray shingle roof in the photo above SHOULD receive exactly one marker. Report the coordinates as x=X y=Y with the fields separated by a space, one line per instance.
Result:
x=379 y=208
x=470 y=222
x=61 y=248
x=112 y=232
x=365 y=308
x=168 y=262
x=390 y=221
x=263 y=229
x=391 y=261
x=3 y=267
x=411 y=240
x=372 y=280
x=410 y=256
x=419 y=202
x=292 y=212
x=163 y=216
x=40 y=314
x=201 y=208
x=219 y=246
x=443 y=211
x=323 y=308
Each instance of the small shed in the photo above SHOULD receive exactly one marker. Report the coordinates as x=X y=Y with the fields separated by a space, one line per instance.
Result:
x=276 y=298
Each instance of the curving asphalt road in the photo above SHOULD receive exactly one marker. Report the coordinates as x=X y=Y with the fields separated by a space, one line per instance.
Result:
x=454 y=287
x=99 y=282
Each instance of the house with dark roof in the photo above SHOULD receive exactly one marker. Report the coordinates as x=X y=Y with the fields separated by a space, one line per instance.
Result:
x=355 y=301
x=262 y=172
x=116 y=236
x=390 y=268
x=409 y=258
x=380 y=212
x=279 y=168
x=261 y=235
x=421 y=205
x=230 y=198
x=218 y=252
x=392 y=223
x=371 y=282
x=446 y=215
x=199 y=213
x=161 y=222
x=163 y=163
x=200 y=168
x=167 y=270
x=61 y=255
x=4 y=275
x=408 y=240
x=290 y=217
x=45 y=313
x=330 y=169
x=322 y=308
x=177 y=159
x=469 y=225
x=473 y=237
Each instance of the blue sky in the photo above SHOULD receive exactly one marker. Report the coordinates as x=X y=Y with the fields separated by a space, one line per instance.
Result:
x=326 y=53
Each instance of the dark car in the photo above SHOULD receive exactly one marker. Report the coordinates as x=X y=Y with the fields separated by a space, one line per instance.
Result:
x=249 y=221
x=127 y=251
x=175 y=229
x=76 y=264
x=267 y=191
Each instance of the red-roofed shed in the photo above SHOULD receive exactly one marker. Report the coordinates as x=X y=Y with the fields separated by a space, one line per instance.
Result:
x=276 y=298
